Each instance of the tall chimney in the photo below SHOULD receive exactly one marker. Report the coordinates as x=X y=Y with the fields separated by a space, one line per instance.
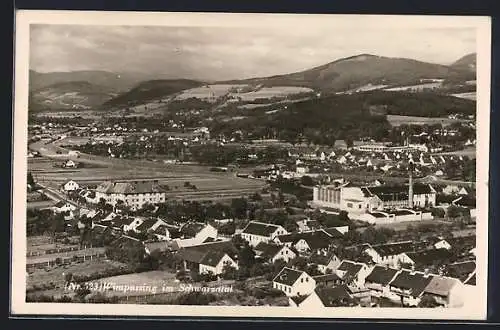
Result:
x=410 y=186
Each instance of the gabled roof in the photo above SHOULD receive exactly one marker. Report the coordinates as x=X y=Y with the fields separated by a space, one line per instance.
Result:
x=381 y=275
x=146 y=224
x=268 y=251
x=471 y=280
x=260 y=229
x=461 y=270
x=129 y=187
x=298 y=299
x=350 y=268
x=174 y=231
x=396 y=248
x=212 y=258
x=399 y=192
x=440 y=286
x=317 y=239
x=336 y=296
x=416 y=282
x=428 y=257
x=333 y=232
x=326 y=278
x=287 y=276
x=190 y=229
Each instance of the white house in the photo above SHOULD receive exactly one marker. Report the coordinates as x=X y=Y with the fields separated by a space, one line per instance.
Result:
x=391 y=254
x=70 y=186
x=272 y=252
x=257 y=232
x=132 y=193
x=63 y=206
x=294 y=283
x=215 y=261
x=198 y=231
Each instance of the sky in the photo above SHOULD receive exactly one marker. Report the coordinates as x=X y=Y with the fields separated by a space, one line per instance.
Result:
x=236 y=52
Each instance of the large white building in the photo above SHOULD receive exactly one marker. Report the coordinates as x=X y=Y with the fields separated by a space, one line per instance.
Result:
x=359 y=200
x=133 y=193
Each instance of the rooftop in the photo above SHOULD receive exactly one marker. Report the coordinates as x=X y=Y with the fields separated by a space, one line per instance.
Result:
x=415 y=282
x=381 y=275
x=287 y=276
x=260 y=228
x=129 y=187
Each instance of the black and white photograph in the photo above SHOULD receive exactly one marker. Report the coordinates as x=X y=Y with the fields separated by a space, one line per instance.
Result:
x=250 y=165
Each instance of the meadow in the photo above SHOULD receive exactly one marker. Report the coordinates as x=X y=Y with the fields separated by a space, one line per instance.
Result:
x=397 y=120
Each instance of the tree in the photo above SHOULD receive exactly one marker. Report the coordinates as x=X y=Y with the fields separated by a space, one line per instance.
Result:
x=307 y=181
x=229 y=272
x=246 y=256
x=239 y=207
x=31 y=180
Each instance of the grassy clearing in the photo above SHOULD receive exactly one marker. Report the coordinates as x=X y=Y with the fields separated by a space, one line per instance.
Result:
x=55 y=274
x=396 y=120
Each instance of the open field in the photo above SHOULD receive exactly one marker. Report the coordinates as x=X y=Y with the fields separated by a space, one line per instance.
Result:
x=470 y=152
x=396 y=120
x=269 y=92
x=415 y=88
x=55 y=275
x=468 y=96
x=208 y=92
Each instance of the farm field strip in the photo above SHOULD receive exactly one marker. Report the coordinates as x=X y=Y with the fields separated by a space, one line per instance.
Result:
x=397 y=120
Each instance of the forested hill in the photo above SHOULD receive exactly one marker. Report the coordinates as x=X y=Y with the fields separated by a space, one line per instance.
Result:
x=335 y=117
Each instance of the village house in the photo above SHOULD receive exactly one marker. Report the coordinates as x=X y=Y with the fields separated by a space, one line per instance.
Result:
x=428 y=258
x=318 y=241
x=328 y=280
x=325 y=263
x=165 y=232
x=134 y=194
x=446 y=291
x=63 y=207
x=150 y=225
x=214 y=262
x=378 y=280
x=198 y=231
x=257 y=232
x=408 y=286
x=70 y=186
x=461 y=270
x=339 y=296
x=353 y=273
x=294 y=282
x=391 y=254
x=271 y=252
x=201 y=257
